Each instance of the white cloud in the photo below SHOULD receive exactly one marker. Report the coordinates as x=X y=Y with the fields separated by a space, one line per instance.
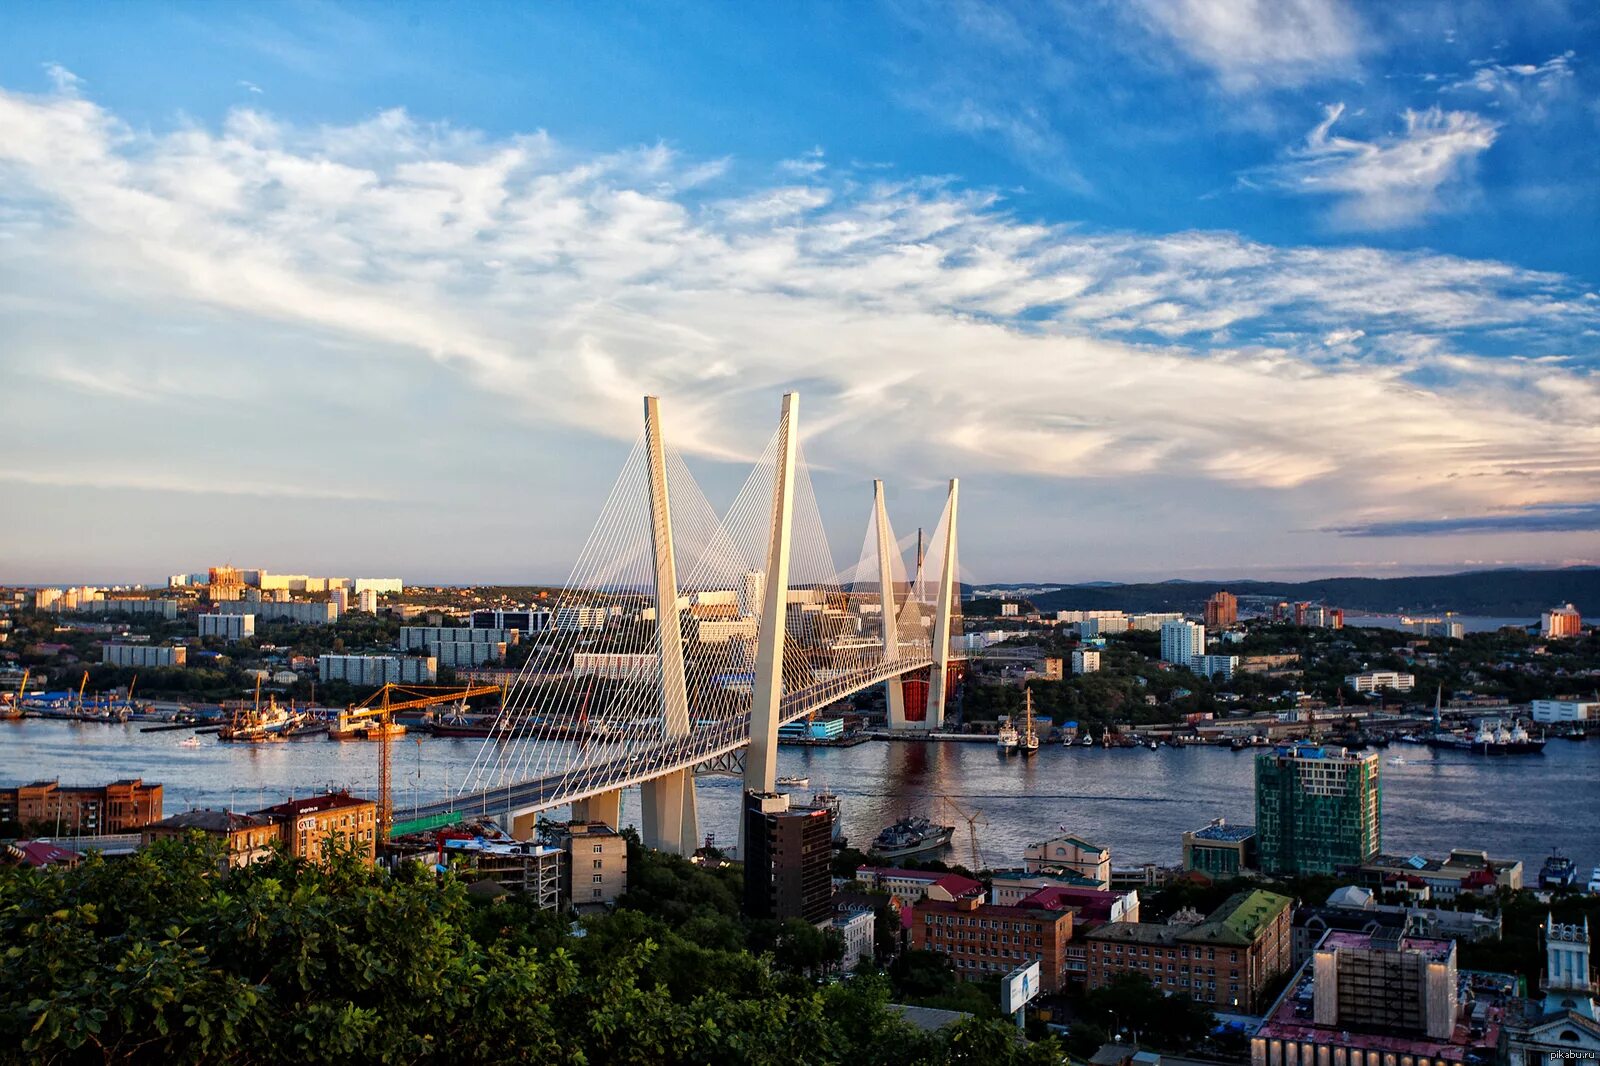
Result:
x=1528 y=88
x=1253 y=44
x=1390 y=181
x=936 y=331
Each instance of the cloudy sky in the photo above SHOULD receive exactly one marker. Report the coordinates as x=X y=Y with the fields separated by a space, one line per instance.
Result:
x=1177 y=288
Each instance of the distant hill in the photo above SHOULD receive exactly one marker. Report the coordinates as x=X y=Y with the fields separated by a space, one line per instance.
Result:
x=1510 y=593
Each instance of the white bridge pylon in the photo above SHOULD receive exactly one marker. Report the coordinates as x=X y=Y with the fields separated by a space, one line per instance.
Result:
x=684 y=638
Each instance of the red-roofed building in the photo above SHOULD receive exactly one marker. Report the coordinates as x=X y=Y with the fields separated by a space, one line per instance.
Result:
x=985 y=940
x=1095 y=905
x=39 y=854
x=917 y=885
x=310 y=826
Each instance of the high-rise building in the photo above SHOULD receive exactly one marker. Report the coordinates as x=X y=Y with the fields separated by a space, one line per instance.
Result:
x=227 y=626
x=1317 y=809
x=143 y=654
x=752 y=589
x=1561 y=622
x=1085 y=660
x=1222 y=610
x=226 y=583
x=1182 y=641
x=367 y=600
x=788 y=855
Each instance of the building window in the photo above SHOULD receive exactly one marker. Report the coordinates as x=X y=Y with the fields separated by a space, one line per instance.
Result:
x=597 y=849
x=598 y=864
x=598 y=878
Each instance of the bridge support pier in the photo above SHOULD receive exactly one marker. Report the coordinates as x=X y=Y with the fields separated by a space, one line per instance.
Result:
x=606 y=807
x=949 y=586
x=668 y=813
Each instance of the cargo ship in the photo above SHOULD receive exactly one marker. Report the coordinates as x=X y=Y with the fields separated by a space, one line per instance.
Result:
x=911 y=836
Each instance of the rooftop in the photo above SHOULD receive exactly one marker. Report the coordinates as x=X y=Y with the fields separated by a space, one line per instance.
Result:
x=212 y=821
x=1483 y=997
x=1355 y=940
x=499 y=847
x=331 y=801
x=1223 y=831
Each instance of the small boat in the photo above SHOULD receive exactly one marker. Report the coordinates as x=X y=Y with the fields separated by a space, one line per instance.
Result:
x=1558 y=872
x=1086 y=741
x=794 y=781
x=1152 y=745
x=911 y=836
x=190 y=741
x=1594 y=882
x=1007 y=740
x=1397 y=761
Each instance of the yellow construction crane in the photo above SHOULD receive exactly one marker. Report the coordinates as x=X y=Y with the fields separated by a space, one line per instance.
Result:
x=381 y=707
x=972 y=830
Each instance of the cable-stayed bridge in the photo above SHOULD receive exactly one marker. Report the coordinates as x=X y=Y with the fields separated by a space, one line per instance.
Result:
x=684 y=639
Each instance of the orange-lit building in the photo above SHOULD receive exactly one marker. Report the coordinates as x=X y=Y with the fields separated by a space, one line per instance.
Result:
x=1222 y=611
x=310 y=827
x=226 y=583
x=120 y=807
x=986 y=940
x=1561 y=622
x=247 y=837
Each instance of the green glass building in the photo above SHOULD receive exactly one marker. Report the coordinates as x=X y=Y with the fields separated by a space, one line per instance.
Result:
x=1317 y=809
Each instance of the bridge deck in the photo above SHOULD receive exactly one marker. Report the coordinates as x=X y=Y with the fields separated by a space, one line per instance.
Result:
x=630 y=768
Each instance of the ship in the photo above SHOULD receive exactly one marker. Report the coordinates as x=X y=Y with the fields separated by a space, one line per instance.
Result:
x=830 y=802
x=1029 y=743
x=256 y=724
x=1558 y=872
x=1008 y=738
x=911 y=836
x=1499 y=740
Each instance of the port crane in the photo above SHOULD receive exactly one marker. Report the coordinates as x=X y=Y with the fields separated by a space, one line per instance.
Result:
x=972 y=821
x=381 y=706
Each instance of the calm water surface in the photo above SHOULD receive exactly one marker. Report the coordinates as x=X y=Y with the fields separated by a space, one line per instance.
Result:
x=1137 y=802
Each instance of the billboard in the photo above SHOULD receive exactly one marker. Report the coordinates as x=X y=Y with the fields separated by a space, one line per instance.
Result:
x=1019 y=986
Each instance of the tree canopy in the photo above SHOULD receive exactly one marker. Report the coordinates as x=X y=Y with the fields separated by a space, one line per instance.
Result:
x=168 y=956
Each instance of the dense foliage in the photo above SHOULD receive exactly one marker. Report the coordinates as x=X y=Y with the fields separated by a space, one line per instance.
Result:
x=165 y=957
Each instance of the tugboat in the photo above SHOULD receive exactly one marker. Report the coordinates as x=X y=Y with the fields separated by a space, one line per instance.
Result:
x=1030 y=739
x=1007 y=740
x=911 y=836
x=1558 y=872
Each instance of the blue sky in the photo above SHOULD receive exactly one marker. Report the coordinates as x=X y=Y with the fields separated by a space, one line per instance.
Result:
x=1178 y=288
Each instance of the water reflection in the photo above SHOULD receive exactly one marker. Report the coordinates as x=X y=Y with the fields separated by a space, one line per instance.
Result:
x=1136 y=801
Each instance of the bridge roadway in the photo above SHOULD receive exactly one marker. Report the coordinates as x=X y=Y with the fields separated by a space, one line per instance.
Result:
x=630 y=768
